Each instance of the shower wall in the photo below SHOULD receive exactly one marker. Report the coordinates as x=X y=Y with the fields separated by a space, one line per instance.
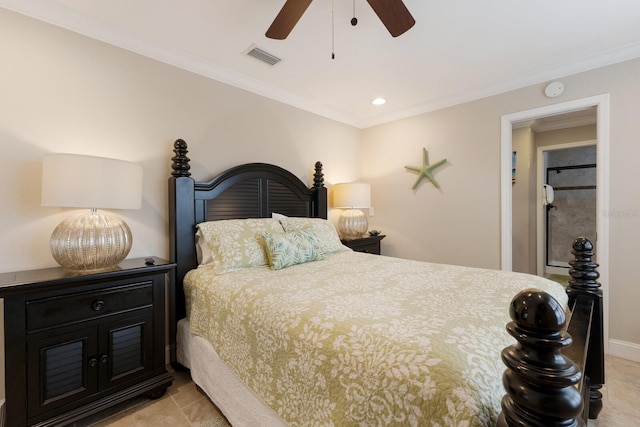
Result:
x=572 y=173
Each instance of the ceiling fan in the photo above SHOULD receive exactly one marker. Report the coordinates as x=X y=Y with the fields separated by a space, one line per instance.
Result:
x=393 y=14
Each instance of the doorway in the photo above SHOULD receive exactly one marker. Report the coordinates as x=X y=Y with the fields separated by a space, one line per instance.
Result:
x=601 y=103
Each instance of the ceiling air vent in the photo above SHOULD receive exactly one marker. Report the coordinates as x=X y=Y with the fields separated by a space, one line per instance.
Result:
x=263 y=56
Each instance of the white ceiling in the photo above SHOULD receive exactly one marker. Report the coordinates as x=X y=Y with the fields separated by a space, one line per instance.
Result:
x=459 y=50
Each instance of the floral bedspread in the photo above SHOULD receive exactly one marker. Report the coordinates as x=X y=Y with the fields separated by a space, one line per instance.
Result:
x=364 y=340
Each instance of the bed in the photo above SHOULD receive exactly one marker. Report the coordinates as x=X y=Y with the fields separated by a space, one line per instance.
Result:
x=282 y=325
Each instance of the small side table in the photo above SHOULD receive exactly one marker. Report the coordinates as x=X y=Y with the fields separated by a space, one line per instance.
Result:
x=79 y=342
x=368 y=244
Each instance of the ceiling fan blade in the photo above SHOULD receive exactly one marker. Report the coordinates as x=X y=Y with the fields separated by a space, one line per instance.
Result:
x=394 y=15
x=288 y=17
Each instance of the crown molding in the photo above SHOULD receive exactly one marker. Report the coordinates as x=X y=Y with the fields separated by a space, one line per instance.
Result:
x=602 y=59
x=62 y=17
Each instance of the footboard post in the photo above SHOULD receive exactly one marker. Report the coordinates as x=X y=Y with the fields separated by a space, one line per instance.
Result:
x=539 y=380
x=584 y=281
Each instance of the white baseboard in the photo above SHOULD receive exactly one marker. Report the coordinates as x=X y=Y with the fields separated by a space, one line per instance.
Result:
x=624 y=350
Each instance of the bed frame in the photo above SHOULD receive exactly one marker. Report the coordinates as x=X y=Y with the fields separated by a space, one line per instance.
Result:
x=554 y=372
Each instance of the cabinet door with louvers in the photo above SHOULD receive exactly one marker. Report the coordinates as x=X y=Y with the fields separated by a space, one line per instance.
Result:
x=64 y=372
x=83 y=364
x=125 y=349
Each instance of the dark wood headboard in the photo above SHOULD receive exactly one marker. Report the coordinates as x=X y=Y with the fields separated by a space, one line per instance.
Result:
x=253 y=190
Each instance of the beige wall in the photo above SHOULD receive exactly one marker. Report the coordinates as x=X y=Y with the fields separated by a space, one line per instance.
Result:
x=61 y=92
x=460 y=224
x=523 y=199
x=566 y=136
x=454 y=224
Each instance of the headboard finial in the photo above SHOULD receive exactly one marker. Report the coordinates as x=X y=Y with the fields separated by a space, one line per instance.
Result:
x=180 y=163
x=318 y=176
x=584 y=275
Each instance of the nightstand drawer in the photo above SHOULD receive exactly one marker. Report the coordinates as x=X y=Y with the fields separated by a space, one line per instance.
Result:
x=56 y=311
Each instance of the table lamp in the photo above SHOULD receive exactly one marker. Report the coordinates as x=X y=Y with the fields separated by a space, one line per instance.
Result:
x=352 y=223
x=91 y=240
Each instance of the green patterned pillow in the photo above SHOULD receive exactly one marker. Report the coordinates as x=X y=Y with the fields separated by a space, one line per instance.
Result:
x=327 y=235
x=291 y=248
x=235 y=244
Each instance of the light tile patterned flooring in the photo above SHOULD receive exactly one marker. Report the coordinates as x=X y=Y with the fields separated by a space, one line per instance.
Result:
x=184 y=405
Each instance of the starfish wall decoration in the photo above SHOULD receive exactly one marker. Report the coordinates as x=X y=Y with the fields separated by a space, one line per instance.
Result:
x=426 y=170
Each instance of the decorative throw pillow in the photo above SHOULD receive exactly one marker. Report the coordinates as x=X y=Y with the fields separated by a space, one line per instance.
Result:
x=291 y=248
x=327 y=235
x=235 y=244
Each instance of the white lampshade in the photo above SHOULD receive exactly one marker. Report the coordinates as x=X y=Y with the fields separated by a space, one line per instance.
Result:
x=353 y=223
x=78 y=181
x=352 y=195
x=91 y=240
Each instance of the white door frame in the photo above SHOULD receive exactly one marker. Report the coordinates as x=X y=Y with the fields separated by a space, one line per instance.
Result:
x=541 y=243
x=601 y=102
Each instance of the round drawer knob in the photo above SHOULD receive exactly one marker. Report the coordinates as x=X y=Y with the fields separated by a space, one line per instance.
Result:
x=97 y=305
x=93 y=362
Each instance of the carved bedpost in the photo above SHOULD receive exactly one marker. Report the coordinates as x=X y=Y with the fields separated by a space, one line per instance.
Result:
x=318 y=176
x=584 y=281
x=181 y=242
x=539 y=380
x=320 y=205
x=180 y=162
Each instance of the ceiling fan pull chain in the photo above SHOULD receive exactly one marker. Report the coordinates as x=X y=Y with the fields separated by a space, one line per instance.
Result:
x=333 y=34
x=354 y=20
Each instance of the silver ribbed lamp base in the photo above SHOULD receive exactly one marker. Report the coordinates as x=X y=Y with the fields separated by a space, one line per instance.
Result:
x=352 y=224
x=91 y=241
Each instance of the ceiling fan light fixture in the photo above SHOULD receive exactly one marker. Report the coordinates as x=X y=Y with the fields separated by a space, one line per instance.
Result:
x=379 y=101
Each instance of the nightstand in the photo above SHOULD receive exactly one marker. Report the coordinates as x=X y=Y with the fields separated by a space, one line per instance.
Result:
x=369 y=244
x=79 y=342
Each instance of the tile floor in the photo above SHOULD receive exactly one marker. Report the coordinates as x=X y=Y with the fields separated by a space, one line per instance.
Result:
x=621 y=394
x=184 y=405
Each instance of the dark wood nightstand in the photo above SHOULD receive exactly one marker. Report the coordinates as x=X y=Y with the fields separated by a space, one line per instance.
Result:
x=79 y=342
x=368 y=244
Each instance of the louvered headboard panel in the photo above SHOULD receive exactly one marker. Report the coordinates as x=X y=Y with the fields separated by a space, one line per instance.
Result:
x=256 y=198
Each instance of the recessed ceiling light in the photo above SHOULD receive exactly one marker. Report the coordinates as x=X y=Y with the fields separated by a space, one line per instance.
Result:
x=378 y=101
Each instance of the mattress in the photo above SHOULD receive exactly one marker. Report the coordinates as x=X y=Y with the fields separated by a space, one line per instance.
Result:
x=359 y=339
x=238 y=403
